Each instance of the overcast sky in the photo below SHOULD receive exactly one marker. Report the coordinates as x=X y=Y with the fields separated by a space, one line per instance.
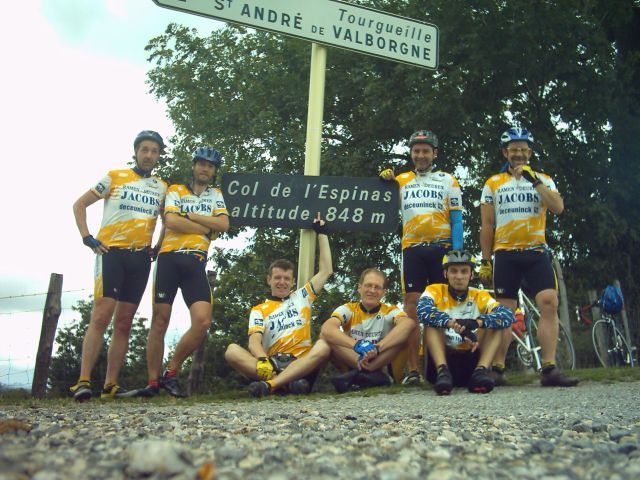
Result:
x=72 y=98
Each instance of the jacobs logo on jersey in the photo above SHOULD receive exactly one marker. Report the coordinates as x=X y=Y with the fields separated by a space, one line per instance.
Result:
x=133 y=196
x=204 y=209
x=423 y=193
x=518 y=197
x=281 y=321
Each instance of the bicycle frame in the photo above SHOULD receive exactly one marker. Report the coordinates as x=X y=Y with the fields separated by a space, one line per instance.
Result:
x=526 y=342
x=619 y=351
x=609 y=342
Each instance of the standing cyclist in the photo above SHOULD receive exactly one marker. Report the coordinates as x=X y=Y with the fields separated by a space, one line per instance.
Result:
x=133 y=199
x=194 y=214
x=513 y=207
x=431 y=206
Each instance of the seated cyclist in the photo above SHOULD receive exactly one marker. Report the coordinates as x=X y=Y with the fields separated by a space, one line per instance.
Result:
x=463 y=328
x=280 y=354
x=368 y=335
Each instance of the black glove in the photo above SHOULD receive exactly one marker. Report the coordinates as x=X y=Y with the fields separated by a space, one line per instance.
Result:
x=530 y=175
x=470 y=335
x=91 y=242
x=319 y=228
x=469 y=324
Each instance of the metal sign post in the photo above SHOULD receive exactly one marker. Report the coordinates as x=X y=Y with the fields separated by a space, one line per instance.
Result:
x=325 y=22
x=306 y=254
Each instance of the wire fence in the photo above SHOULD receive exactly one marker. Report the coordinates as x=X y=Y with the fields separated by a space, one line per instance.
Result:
x=17 y=372
x=20 y=328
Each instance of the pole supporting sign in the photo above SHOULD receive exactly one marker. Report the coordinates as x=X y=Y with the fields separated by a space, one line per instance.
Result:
x=329 y=22
x=292 y=201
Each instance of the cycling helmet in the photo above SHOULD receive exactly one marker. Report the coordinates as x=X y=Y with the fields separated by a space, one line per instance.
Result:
x=458 y=257
x=423 y=136
x=611 y=300
x=149 y=135
x=515 y=134
x=208 y=153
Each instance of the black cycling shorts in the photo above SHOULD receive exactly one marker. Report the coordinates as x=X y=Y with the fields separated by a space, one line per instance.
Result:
x=422 y=266
x=122 y=274
x=461 y=364
x=512 y=268
x=186 y=271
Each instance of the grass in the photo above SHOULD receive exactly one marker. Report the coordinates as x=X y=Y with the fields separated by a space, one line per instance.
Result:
x=514 y=379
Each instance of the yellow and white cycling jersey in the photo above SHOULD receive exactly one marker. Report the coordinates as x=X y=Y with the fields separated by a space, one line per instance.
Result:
x=285 y=324
x=181 y=199
x=425 y=202
x=476 y=303
x=371 y=325
x=520 y=217
x=131 y=207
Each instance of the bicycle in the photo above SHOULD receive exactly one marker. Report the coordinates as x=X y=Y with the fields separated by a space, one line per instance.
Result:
x=612 y=349
x=527 y=348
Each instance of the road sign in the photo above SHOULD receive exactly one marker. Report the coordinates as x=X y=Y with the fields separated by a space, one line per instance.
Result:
x=329 y=22
x=292 y=201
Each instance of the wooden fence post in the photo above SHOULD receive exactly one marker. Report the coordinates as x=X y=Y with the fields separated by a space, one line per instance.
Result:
x=196 y=374
x=50 y=315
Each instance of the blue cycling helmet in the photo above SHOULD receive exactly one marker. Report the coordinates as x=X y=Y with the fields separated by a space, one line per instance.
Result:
x=149 y=135
x=423 y=136
x=515 y=134
x=209 y=154
x=611 y=300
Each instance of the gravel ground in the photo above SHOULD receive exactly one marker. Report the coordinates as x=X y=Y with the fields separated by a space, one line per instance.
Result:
x=529 y=432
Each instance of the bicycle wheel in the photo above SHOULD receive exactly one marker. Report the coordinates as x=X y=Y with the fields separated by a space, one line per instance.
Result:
x=523 y=352
x=565 y=352
x=610 y=345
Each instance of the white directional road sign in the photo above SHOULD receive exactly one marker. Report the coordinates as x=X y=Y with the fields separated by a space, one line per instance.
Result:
x=329 y=22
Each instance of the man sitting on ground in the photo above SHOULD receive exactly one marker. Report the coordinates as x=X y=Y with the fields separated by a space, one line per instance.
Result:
x=463 y=328
x=366 y=336
x=280 y=355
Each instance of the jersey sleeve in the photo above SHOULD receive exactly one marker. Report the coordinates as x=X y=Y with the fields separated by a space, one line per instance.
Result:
x=172 y=200
x=548 y=181
x=455 y=195
x=220 y=208
x=307 y=293
x=343 y=313
x=397 y=313
x=428 y=312
x=494 y=315
x=487 y=195
x=102 y=187
x=256 y=321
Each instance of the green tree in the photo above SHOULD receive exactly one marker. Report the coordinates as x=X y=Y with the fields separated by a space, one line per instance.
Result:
x=555 y=67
